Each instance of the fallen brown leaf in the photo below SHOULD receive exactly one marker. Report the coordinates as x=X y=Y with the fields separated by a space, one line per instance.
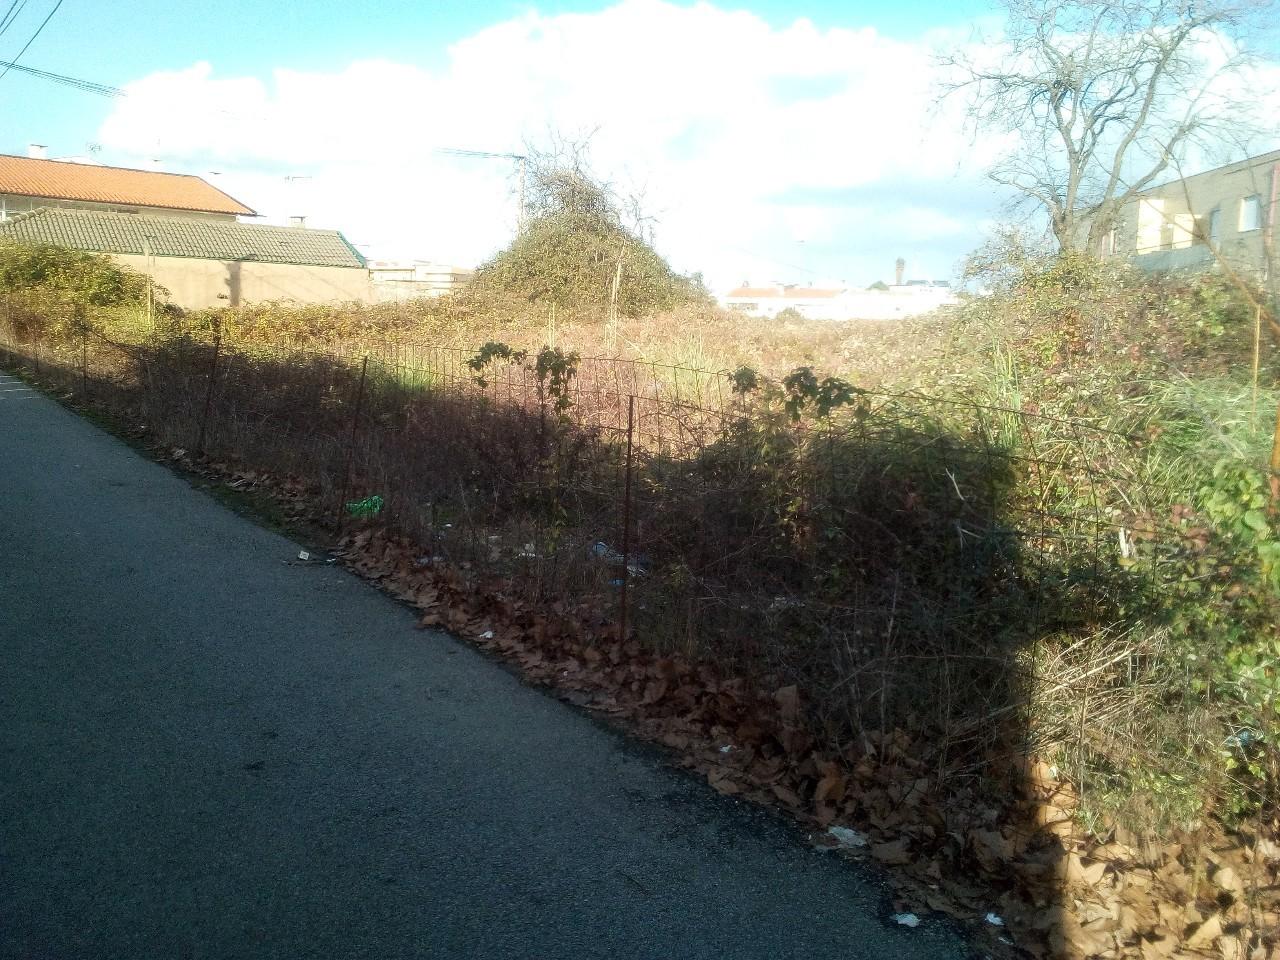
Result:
x=892 y=853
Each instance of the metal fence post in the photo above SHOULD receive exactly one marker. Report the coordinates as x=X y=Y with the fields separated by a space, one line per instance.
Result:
x=208 y=393
x=84 y=352
x=626 y=519
x=351 y=444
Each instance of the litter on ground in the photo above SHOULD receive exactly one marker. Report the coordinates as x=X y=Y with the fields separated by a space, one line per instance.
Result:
x=368 y=507
x=847 y=837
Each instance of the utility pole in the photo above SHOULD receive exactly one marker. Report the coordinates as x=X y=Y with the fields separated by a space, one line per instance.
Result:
x=522 y=162
x=151 y=297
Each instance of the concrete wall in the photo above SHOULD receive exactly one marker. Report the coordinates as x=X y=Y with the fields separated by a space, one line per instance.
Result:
x=894 y=303
x=396 y=281
x=195 y=284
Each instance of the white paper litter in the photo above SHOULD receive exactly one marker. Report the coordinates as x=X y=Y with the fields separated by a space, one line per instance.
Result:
x=907 y=919
x=848 y=837
x=487 y=635
x=994 y=920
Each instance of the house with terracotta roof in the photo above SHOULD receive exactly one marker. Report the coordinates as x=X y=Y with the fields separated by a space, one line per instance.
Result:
x=178 y=229
x=29 y=183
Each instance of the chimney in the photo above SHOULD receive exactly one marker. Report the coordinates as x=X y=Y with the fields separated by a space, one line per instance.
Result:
x=899 y=271
x=299 y=222
x=37 y=151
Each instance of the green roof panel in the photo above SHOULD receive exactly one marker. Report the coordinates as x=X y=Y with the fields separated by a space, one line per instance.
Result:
x=125 y=233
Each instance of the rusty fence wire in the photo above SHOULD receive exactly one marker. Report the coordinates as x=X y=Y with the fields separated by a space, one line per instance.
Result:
x=914 y=564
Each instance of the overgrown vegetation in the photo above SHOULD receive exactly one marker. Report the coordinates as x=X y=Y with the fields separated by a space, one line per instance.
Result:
x=87 y=278
x=1183 y=715
x=578 y=252
x=1046 y=532
x=52 y=290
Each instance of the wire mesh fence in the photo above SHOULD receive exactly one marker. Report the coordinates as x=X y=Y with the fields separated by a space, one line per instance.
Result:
x=919 y=563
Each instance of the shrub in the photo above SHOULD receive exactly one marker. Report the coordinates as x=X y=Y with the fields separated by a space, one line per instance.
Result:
x=577 y=252
x=89 y=279
x=1175 y=717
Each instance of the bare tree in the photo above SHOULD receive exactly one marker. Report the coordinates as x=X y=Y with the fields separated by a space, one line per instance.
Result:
x=1099 y=96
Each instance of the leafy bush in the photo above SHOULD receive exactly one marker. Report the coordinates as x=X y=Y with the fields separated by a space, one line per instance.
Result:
x=577 y=252
x=553 y=371
x=1162 y=367
x=89 y=279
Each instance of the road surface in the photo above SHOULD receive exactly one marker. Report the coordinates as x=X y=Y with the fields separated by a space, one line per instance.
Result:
x=206 y=752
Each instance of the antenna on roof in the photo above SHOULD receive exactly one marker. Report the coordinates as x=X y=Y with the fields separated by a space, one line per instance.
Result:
x=521 y=161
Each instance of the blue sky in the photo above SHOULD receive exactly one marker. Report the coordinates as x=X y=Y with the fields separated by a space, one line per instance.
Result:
x=250 y=37
x=769 y=147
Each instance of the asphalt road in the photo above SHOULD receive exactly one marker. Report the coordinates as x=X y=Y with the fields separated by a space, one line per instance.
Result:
x=206 y=752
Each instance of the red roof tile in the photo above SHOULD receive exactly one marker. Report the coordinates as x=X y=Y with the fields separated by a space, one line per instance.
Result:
x=60 y=180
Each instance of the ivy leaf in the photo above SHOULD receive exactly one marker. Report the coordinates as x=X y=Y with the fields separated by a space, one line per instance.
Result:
x=1255 y=520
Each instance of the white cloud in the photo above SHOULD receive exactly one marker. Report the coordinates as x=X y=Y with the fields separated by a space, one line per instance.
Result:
x=732 y=126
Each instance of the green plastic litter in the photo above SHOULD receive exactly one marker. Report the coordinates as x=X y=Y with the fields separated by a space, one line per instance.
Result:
x=368 y=507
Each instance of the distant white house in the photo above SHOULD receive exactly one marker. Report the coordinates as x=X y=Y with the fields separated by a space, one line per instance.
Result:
x=817 y=303
x=394 y=280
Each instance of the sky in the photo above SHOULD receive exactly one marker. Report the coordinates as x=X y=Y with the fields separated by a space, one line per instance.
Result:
x=770 y=141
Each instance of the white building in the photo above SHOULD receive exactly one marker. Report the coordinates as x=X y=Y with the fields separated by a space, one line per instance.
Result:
x=816 y=303
x=395 y=280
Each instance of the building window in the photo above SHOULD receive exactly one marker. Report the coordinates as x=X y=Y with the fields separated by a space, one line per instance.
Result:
x=1251 y=213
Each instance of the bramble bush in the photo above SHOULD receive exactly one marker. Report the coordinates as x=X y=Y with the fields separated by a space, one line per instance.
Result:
x=89 y=279
x=1183 y=720
x=577 y=247
x=51 y=291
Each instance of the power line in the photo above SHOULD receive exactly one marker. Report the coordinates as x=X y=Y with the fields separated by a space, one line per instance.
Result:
x=521 y=163
x=457 y=152
x=11 y=14
x=88 y=86
x=775 y=262
x=106 y=90
x=40 y=29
